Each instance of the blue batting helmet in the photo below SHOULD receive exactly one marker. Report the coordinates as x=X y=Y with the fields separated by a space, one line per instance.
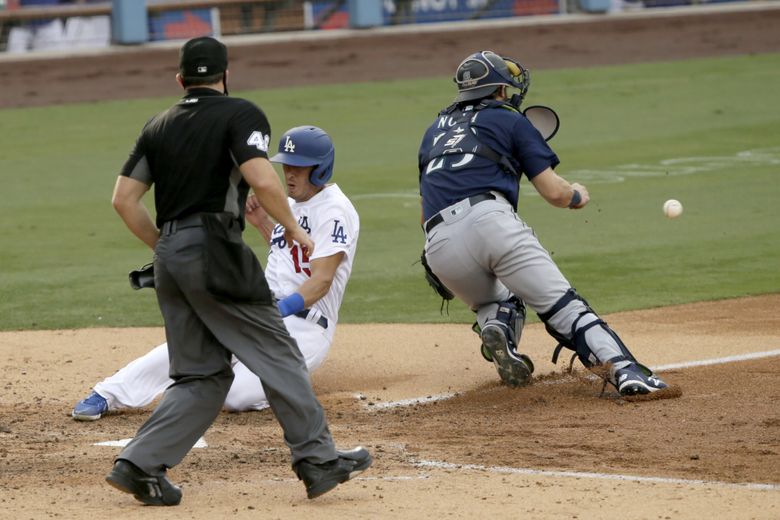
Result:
x=480 y=74
x=308 y=146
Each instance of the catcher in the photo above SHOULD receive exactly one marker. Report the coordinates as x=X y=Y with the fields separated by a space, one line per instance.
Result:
x=471 y=160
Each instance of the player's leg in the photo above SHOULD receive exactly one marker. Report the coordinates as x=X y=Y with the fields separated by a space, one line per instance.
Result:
x=256 y=335
x=576 y=326
x=246 y=393
x=454 y=252
x=135 y=385
x=500 y=327
x=200 y=365
x=528 y=270
x=313 y=341
x=139 y=382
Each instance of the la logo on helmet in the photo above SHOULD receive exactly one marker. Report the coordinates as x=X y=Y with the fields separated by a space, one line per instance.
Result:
x=289 y=146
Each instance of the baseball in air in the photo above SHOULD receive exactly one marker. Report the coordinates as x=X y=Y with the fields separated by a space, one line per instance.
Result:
x=672 y=208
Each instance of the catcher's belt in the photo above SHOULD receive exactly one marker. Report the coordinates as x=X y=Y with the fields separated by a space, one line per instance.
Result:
x=473 y=200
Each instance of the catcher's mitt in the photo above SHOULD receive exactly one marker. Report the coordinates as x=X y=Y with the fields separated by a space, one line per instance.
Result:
x=143 y=277
x=434 y=281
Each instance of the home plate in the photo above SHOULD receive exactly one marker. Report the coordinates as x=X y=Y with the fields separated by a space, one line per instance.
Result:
x=121 y=443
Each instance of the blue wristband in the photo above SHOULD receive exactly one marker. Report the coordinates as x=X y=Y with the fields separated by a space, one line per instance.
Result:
x=291 y=304
x=575 y=199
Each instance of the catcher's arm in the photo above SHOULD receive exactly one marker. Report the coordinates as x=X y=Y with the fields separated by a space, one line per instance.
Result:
x=557 y=191
x=265 y=183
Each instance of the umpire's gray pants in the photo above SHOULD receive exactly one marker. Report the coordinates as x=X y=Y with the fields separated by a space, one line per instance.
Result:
x=202 y=333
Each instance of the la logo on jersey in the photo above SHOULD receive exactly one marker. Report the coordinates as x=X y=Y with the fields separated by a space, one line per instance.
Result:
x=338 y=234
x=289 y=146
x=259 y=141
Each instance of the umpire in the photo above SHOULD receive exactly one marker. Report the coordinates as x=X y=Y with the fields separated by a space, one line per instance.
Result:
x=203 y=154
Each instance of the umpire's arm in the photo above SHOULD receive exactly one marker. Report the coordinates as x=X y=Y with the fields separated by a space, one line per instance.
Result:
x=128 y=193
x=265 y=183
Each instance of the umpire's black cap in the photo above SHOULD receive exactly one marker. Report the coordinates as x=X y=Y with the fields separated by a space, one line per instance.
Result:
x=202 y=57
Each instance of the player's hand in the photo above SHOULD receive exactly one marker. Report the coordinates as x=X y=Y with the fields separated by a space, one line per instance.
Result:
x=584 y=196
x=255 y=213
x=297 y=234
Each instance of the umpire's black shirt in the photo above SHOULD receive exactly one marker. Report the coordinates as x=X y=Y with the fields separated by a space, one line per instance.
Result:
x=191 y=152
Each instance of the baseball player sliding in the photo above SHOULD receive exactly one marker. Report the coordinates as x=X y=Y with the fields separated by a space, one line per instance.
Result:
x=471 y=159
x=310 y=290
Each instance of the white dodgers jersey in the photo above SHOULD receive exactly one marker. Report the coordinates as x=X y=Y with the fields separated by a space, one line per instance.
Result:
x=332 y=223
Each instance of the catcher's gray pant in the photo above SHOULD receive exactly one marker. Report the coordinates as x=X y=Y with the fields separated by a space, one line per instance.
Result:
x=202 y=333
x=485 y=253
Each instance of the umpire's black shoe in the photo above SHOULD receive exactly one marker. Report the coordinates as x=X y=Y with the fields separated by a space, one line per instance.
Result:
x=321 y=478
x=151 y=490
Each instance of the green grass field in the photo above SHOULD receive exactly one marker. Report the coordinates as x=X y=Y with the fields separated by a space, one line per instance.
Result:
x=706 y=132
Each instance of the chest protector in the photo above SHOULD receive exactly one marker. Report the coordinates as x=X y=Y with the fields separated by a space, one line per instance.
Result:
x=461 y=138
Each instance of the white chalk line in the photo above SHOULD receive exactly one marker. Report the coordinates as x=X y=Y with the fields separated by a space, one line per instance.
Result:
x=405 y=402
x=660 y=368
x=121 y=443
x=397 y=478
x=598 y=476
x=753 y=486
x=718 y=361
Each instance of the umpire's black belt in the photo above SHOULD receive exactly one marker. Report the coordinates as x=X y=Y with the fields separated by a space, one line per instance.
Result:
x=170 y=227
x=322 y=322
x=473 y=200
x=194 y=220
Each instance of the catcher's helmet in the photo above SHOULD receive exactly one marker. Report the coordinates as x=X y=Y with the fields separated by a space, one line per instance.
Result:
x=479 y=75
x=308 y=146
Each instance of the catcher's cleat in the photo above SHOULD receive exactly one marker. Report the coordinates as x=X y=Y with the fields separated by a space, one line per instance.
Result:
x=91 y=408
x=149 y=489
x=636 y=379
x=321 y=478
x=514 y=369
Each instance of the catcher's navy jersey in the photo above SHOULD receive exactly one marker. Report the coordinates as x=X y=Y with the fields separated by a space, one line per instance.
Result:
x=454 y=174
x=192 y=151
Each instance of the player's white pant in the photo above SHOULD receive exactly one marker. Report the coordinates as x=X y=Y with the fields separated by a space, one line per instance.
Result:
x=146 y=377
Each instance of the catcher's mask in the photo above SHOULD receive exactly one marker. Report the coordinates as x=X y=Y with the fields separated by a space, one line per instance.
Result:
x=480 y=75
x=308 y=146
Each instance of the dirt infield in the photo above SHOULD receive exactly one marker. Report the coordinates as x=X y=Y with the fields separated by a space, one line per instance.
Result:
x=556 y=449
